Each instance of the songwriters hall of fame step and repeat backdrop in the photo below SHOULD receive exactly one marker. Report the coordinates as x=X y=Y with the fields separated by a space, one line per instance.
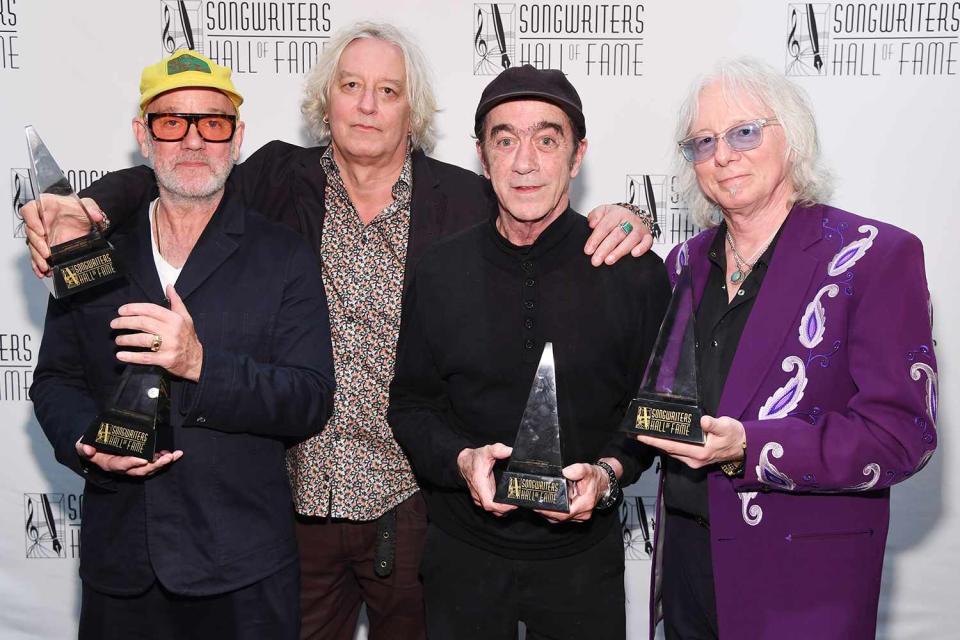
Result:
x=884 y=78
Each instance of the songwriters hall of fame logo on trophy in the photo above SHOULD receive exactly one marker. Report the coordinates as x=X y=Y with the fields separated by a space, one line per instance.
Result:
x=534 y=474
x=494 y=38
x=668 y=402
x=181 y=27
x=807 y=39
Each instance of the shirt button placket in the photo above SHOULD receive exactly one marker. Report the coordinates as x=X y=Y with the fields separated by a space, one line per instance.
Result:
x=529 y=305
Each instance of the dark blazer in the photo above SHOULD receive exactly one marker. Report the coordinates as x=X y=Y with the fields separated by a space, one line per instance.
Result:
x=219 y=518
x=835 y=383
x=287 y=183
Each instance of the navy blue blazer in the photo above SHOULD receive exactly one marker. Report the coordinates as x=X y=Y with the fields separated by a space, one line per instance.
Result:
x=220 y=517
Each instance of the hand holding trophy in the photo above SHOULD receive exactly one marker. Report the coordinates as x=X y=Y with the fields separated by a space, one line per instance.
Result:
x=76 y=264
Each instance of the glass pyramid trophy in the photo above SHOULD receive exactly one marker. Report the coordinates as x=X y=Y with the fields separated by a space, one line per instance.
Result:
x=668 y=402
x=137 y=420
x=534 y=475
x=80 y=263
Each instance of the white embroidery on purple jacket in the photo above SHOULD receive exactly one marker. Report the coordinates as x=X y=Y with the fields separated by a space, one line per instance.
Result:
x=917 y=369
x=682 y=258
x=814 y=320
x=752 y=513
x=768 y=473
x=784 y=400
x=848 y=256
x=931 y=396
x=873 y=471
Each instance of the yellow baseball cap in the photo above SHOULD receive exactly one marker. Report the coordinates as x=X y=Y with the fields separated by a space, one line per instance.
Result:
x=186 y=69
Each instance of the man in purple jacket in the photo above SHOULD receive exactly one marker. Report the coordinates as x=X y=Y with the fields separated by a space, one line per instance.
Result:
x=815 y=350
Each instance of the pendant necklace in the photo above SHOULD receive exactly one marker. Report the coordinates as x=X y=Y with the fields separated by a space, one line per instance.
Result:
x=744 y=266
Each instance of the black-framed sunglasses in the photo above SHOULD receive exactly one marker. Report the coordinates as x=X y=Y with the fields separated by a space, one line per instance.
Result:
x=173 y=127
x=740 y=137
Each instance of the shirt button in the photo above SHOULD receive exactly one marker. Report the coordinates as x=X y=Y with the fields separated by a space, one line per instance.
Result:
x=713 y=254
x=716 y=344
x=696 y=345
x=741 y=292
x=528 y=323
x=528 y=344
x=527 y=265
x=201 y=420
x=529 y=304
x=530 y=282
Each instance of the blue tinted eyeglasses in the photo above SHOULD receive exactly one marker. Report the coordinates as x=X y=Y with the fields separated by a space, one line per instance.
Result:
x=740 y=137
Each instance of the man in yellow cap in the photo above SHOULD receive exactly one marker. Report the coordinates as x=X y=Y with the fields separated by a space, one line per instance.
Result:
x=197 y=542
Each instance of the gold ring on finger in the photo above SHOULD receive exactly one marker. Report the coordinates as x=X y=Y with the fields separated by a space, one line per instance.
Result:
x=157 y=341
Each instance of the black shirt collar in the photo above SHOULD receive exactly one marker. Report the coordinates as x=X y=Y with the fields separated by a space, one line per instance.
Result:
x=553 y=235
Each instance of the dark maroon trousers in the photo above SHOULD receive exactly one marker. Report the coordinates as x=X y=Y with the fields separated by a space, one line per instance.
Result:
x=337 y=576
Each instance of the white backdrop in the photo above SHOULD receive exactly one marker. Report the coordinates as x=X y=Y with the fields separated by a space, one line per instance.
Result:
x=883 y=77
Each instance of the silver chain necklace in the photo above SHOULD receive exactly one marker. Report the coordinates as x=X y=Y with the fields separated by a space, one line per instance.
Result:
x=744 y=266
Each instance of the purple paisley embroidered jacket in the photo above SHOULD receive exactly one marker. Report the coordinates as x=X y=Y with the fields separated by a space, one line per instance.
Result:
x=835 y=381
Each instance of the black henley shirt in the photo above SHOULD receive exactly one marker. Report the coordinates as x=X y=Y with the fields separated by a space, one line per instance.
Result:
x=475 y=321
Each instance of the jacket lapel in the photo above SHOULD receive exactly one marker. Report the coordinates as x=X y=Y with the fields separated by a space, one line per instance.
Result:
x=426 y=207
x=135 y=248
x=213 y=247
x=776 y=311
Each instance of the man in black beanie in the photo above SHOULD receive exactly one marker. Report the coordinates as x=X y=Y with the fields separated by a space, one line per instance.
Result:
x=480 y=309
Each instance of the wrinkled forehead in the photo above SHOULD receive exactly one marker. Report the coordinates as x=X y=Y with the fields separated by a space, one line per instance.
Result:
x=192 y=100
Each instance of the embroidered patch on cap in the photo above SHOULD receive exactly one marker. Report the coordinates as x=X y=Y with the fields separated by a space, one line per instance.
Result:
x=186 y=62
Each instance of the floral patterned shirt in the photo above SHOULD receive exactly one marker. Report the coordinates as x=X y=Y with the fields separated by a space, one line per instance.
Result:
x=355 y=469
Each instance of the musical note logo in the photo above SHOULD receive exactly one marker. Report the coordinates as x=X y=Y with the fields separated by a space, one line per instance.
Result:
x=43 y=525
x=806 y=39
x=22 y=193
x=180 y=25
x=494 y=37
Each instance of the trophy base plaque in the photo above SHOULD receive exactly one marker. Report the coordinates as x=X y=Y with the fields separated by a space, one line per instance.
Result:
x=545 y=489
x=125 y=434
x=664 y=416
x=82 y=263
x=138 y=421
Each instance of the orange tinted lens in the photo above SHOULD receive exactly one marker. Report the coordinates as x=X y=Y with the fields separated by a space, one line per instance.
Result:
x=168 y=127
x=215 y=128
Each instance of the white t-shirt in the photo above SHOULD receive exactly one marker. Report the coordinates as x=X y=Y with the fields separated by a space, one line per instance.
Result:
x=167 y=272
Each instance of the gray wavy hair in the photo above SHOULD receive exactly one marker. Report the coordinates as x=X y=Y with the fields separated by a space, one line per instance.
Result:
x=423 y=104
x=790 y=105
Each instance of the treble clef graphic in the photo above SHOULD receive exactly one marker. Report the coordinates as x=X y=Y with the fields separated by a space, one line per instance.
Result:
x=32 y=532
x=632 y=192
x=479 y=44
x=17 y=203
x=793 y=45
x=169 y=44
x=814 y=37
